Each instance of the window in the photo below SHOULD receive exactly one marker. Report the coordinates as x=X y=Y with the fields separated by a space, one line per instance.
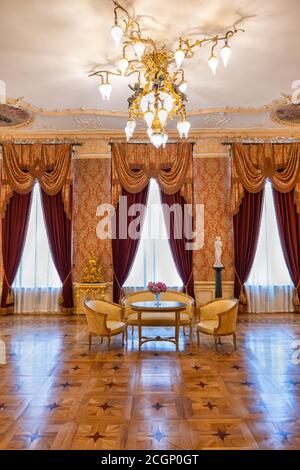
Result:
x=37 y=285
x=269 y=287
x=154 y=261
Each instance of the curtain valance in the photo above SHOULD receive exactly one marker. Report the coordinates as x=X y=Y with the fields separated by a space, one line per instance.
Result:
x=23 y=164
x=253 y=163
x=134 y=164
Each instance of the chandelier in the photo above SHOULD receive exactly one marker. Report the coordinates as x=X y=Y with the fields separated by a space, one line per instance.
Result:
x=159 y=93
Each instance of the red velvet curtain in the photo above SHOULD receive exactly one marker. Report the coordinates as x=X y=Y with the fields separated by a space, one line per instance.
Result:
x=14 y=229
x=183 y=258
x=124 y=249
x=246 y=225
x=59 y=231
x=288 y=221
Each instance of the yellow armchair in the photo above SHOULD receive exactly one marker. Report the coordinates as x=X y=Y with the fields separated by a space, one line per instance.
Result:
x=104 y=319
x=218 y=318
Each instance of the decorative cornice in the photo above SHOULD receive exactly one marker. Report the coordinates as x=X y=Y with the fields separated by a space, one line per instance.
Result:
x=107 y=135
x=240 y=109
x=65 y=111
x=124 y=114
x=90 y=122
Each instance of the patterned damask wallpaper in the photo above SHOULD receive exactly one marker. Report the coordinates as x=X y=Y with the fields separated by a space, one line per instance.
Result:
x=92 y=182
x=212 y=189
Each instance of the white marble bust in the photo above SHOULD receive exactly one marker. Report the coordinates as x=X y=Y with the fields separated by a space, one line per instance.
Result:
x=218 y=253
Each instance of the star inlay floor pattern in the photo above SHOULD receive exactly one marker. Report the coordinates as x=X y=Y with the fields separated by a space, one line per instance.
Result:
x=56 y=394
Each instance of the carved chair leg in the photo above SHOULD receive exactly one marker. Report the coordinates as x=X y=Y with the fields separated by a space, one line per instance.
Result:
x=219 y=341
x=184 y=331
x=108 y=343
x=132 y=330
x=198 y=337
x=126 y=334
x=191 y=333
x=90 y=342
x=216 y=343
x=234 y=341
x=123 y=335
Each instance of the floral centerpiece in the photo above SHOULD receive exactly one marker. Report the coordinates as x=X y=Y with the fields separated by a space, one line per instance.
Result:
x=157 y=288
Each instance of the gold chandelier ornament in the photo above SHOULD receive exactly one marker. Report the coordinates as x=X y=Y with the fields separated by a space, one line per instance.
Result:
x=159 y=93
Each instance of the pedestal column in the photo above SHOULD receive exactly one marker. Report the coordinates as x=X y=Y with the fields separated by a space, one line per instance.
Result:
x=218 y=281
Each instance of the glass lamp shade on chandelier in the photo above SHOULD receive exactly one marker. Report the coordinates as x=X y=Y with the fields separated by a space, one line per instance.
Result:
x=159 y=93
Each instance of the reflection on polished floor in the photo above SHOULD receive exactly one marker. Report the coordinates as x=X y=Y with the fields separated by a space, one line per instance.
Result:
x=55 y=394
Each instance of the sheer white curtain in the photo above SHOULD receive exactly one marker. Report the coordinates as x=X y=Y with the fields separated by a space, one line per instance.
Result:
x=37 y=286
x=154 y=261
x=269 y=287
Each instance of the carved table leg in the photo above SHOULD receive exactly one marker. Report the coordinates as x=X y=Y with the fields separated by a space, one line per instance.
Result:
x=140 y=329
x=177 y=321
x=78 y=303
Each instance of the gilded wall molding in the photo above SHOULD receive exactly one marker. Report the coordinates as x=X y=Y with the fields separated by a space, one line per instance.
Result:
x=259 y=135
x=211 y=155
x=91 y=156
x=108 y=135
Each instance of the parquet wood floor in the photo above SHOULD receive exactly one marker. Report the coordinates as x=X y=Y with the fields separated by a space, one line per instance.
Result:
x=55 y=394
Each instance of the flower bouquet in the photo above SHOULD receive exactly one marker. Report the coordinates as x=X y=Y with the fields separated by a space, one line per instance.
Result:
x=157 y=288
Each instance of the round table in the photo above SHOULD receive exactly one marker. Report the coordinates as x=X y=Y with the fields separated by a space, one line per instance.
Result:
x=162 y=306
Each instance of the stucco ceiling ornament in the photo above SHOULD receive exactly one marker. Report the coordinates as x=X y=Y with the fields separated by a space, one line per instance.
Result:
x=12 y=116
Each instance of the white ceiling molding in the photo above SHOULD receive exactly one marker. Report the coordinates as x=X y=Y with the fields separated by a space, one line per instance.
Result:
x=223 y=111
x=83 y=120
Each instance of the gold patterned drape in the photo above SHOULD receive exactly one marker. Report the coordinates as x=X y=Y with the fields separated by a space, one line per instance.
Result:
x=23 y=164
x=253 y=163
x=134 y=164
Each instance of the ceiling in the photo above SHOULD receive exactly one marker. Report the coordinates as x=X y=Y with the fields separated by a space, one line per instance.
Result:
x=48 y=48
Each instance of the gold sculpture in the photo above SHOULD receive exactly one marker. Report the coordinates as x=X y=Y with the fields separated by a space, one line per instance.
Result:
x=92 y=271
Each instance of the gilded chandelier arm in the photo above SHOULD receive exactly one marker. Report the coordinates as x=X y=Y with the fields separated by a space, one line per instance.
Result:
x=119 y=7
x=189 y=48
x=129 y=22
x=159 y=92
x=107 y=73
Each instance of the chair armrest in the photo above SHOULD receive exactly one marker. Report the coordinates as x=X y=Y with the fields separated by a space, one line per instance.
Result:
x=227 y=322
x=113 y=311
x=208 y=312
x=96 y=322
x=100 y=315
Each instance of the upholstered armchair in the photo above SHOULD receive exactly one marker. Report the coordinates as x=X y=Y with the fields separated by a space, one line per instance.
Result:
x=104 y=319
x=218 y=318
